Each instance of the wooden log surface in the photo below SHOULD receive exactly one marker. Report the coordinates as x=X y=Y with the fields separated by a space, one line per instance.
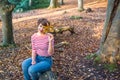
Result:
x=62 y=29
x=48 y=75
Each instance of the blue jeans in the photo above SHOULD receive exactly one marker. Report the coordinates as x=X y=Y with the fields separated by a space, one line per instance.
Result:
x=31 y=71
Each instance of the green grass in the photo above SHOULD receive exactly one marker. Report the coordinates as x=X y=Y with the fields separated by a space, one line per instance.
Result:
x=111 y=67
x=90 y=56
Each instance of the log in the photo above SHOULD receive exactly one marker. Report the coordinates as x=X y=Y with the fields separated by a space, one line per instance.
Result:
x=61 y=44
x=62 y=29
x=48 y=75
x=58 y=45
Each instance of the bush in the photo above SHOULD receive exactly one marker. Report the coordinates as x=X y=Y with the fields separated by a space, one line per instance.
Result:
x=23 y=5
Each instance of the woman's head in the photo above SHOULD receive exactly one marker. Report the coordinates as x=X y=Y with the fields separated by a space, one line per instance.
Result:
x=42 y=23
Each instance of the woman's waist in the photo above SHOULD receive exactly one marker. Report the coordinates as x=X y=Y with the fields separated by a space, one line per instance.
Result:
x=46 y=55
x=42 y=52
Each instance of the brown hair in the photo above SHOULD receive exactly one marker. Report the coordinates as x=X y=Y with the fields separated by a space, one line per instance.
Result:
x=43 y=21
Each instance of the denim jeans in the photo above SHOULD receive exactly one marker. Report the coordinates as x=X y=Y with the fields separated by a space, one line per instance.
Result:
x=30 y=72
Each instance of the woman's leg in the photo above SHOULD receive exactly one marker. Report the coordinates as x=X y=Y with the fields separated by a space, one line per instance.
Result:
x=25 y=65
x=42 y=66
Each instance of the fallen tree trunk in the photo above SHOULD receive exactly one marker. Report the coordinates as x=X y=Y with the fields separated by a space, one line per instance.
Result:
x=63 y=29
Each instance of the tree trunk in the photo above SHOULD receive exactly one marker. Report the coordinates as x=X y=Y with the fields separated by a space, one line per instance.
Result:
x=80 y=5
x=54 y=4
x=7 y=28
x=61 y=2
x=48 y=75
x=110 y=43
x=30 y=3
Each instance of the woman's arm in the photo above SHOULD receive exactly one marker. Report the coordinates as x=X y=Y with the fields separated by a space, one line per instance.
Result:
x=51 y=44
x=33 y=51
x=33 y=57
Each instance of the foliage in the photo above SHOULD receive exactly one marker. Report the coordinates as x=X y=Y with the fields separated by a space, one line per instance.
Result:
x=97 y=59
x=90 y=56
x=111 y=67
x=69 y=64
x=40 y=4
x=24 y=5
x=14 y=1
x=48 y=29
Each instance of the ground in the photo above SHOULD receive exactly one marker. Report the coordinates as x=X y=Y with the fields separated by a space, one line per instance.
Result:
x=71 y=63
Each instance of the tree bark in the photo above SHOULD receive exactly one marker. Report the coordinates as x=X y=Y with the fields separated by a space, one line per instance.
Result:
x=109 y=49
x=30 y=3
x=48 y=75
x=80 y=5
x=7 y=27
x=54 y=4
x=61 y=2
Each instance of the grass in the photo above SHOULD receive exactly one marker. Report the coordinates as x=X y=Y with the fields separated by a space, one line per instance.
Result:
x=90 y=56
x=111 y=67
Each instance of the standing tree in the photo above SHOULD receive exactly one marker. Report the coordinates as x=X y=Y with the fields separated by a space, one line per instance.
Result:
x=54 y=4
x=110 y=43
x=30 y=3
x=6 y=8
x=61 y=2
x=80 y=5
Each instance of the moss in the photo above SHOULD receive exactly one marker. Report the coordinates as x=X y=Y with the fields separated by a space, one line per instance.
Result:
x=80 y=10
x=110 y=66
x=97 y=59
x=76 y=17
x=7 y=45
x=91 y=56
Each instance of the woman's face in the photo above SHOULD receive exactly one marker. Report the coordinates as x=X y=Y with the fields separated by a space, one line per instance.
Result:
x=40 y=28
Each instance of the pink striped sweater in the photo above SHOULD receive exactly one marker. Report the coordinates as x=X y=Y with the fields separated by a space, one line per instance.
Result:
x=40 y=44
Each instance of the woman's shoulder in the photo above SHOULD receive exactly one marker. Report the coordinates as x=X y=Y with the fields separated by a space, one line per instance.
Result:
x=34 y=35
x=49 y=34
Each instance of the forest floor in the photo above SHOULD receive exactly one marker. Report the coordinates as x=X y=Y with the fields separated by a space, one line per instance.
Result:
x=71 y=63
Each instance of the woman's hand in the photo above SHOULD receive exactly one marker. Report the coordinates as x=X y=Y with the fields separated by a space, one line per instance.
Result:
x=50 y=45
x=33 y=62
x=51 y=37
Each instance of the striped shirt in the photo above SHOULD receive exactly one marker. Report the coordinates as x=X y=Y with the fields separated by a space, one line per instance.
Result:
x=40 y=44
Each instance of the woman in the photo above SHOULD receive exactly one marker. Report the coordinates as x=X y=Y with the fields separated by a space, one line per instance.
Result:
x=42 y=50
